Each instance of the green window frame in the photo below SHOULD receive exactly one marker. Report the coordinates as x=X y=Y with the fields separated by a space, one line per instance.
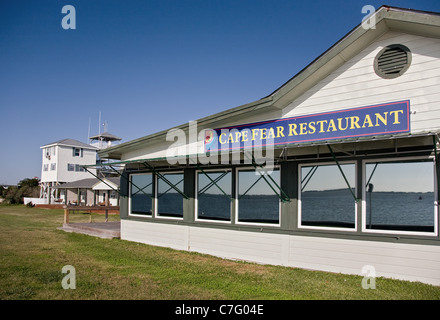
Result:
x=324 y=199
x=258 y=198
x=141 y=194
x=169 y=202
x=213 y=195
x=400 y=196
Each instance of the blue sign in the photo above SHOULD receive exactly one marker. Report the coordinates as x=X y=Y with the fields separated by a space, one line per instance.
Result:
x=381 y=119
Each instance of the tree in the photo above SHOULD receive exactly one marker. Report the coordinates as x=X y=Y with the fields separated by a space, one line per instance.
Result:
x=33 y=182
x=25 y=188
x=11 y=195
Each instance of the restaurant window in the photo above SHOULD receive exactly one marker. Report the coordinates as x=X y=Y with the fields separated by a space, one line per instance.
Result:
x=326 y=200
x=399 y=196
x=214 y=194
x=258 y=196
x=141 y=194
x=169 y=199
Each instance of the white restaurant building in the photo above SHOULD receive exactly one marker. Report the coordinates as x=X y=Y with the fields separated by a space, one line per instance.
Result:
x=354 y=138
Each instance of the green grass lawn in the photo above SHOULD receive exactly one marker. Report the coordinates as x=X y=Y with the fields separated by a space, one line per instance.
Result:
x=33 y=253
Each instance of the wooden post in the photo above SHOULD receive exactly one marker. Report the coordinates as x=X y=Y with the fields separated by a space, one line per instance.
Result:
x=66 y=215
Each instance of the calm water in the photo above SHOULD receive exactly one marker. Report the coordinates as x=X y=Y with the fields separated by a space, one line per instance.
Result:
x=401 y=208
x=261 y=208
x=387 y=208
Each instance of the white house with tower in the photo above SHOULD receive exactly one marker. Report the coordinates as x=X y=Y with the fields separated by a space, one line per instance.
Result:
x=62 y=168
x=62 y=162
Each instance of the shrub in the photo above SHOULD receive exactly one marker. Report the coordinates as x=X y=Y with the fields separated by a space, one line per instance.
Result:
x=25 y=188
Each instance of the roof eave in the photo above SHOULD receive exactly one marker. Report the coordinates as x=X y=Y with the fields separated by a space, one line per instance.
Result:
x=115 y=152
x=68 y=145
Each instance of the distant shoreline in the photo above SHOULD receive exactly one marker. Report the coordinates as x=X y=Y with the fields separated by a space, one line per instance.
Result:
x=378 y=191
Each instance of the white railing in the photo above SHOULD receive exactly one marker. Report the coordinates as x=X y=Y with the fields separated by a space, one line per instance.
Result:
x=35 y=200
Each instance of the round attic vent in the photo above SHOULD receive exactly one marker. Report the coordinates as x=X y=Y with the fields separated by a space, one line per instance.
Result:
x=392 y=61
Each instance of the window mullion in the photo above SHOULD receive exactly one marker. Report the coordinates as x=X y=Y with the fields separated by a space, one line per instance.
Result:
x=343 y=174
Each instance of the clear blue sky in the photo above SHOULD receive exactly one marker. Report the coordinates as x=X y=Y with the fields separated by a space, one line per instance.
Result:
x=149 y=65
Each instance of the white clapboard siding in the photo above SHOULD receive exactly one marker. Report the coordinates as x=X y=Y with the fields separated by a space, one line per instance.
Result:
x=361 y=64
x=392 y=260
x=163 y=235
x=250 y=246
x=355 y=83
x=164 y=149
x=397 y=91
x=344 y=92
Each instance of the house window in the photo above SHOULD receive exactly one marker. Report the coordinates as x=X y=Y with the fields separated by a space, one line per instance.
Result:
x=75 y=167
x=45 y=167
x=141 y=194
x=169 y=199
x=399 y=196
x=77 y=152
x=46 y=152
x=326 y=201
x=214 y=194
x=258 y=196
x=53 y=166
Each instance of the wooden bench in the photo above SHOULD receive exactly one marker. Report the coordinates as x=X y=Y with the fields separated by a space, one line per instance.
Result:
x=89 y=209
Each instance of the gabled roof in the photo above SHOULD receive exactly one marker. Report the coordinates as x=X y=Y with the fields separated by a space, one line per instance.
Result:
x=88 y=183
x=82 y=184
x=387 y=19
x=70 y=143
x=108 y=182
